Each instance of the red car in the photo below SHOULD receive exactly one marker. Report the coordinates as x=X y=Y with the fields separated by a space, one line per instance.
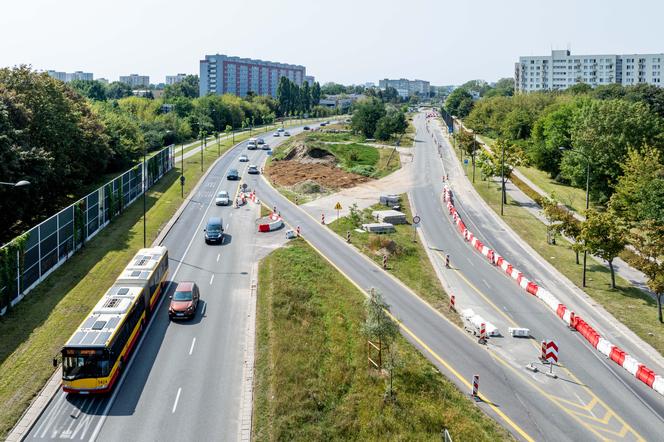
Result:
x=184 y=301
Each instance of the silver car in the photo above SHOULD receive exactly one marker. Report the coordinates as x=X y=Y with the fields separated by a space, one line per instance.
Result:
x=222 y=199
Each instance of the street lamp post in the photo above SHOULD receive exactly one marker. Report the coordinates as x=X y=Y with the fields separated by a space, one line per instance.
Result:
x=21 y=183
x=502 y=180
x=145 y=186
x=202 y=140
x=585 y=252
x=182 y=171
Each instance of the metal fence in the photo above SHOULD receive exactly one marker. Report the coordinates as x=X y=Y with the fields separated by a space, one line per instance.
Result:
x=49 y=244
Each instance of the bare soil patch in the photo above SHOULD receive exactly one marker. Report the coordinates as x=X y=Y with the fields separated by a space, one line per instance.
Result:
x=289 y=173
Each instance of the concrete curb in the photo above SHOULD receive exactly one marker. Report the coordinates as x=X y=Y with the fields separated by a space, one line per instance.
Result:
x=247 y=401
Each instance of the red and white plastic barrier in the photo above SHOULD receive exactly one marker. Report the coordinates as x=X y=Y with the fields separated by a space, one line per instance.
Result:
x=274 y=222
x=604 y=346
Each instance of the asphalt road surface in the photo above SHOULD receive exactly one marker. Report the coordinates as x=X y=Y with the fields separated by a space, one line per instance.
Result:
x=184 y=381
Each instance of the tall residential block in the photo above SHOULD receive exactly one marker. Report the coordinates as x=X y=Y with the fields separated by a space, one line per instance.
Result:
x=135 y=80
x=221 y=74
x=172 y=79
x=70 y=76
x=561 y=70
x=405 y=87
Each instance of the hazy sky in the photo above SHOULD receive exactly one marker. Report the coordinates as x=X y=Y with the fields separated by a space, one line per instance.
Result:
x=347 y=41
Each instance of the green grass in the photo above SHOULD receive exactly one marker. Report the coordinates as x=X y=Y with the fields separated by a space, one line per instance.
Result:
x=312 y=380
x=34 y=331
x=572 y=197
x=628 y=304
x=409 y=261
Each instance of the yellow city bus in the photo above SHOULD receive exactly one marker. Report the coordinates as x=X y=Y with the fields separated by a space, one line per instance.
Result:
x=97 y=352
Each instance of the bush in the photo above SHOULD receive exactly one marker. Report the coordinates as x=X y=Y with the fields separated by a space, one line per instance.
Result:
x=309 y=186
x=364 y=170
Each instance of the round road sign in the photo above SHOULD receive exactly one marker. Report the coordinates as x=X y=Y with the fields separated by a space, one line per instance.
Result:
x=244 y=186
x=416 y=219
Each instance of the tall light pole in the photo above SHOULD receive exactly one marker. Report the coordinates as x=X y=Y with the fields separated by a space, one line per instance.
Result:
x=21 y=183
x=502 y=180
x=585 y=252
x=145 y=187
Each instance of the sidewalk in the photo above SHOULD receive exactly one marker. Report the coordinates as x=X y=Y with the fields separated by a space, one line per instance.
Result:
x=622 y=268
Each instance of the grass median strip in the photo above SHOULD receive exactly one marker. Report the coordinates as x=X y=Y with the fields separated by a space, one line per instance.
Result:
x=407 y=260
x=34 y=331
x=312 y=380
x=629 y=305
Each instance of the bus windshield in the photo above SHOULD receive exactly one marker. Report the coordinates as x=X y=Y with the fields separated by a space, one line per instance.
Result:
x=84 y=366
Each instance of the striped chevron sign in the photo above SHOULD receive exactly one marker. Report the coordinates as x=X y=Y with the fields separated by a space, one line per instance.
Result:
x=551 y=352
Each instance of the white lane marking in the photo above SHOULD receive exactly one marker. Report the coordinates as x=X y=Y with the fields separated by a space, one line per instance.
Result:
x=193 y=344
x=204 y=309
x=104 y=414
x=52 y=415
x=218 y=256
x=227 y=225
x=86 y=422
x=177 y=398
x=211 y=279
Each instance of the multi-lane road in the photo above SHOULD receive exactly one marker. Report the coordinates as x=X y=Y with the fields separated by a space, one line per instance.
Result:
x=185 y=379
x=185 y=382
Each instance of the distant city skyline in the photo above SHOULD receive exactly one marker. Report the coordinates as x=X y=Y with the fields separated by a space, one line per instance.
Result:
x=444 y=43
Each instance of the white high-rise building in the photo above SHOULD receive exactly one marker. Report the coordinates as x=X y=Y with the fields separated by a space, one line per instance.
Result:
x=405 y=87
x=134 y=80
x=561 y=70
x=66 y=77
x=172 y=79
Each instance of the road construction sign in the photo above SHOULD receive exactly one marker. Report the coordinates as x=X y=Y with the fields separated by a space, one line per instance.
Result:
x=338 y=206
x=551 y=352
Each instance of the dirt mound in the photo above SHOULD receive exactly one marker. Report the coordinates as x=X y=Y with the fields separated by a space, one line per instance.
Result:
x=289 y=173
x=305 y=154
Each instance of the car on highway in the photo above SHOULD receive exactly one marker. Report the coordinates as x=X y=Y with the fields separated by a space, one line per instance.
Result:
x=281 y=129
x=323 y=124
x=214 y=231
x=253 y=169
x=243 y=158
x=251 y=145
x=260 y=141
x=286 y=134
x=233 y=174
x=265 y=146
x=222 y=199
x=306 y=128
x=276 y=134
x=184 y=301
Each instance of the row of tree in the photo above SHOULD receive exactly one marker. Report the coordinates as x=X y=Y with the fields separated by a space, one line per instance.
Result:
x=295 y=100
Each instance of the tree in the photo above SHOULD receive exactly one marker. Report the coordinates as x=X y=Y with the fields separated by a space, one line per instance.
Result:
x=305 y=97
x=487 y=166
x=649 y=94
x=550 y=132
x=392 y=123
x=390 y=95
x=602 y=132
x=579 y=89
x=503 y=88
x=648 y=239
x=366 y=114
x=188 y=88
x=459 y=103
x=315 y=94
x=94 y=90
x=517 y=124
x=477 y=86
x=639 y=193
x=379 y=326
x=117 y=90
x=333 y=89
x=603 y=234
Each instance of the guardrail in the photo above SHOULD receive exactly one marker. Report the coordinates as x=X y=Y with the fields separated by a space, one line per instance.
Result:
x=28 y=259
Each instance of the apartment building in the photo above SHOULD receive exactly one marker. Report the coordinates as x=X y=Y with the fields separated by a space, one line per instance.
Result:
x=223 y=74
x=561 y=70
x=135 y=80
x=66 y=77
x=406 y=88
x=173 y=79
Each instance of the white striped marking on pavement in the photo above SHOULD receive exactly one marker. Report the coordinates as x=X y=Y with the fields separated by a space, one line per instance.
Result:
x=218 y=256
x=193 y=344
x=211 y=279
x=177 y=398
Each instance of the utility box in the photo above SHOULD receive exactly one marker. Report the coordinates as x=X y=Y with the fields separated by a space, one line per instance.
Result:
x=390 y=200
x=519 y=332
x=389 y=216
x=378 y=227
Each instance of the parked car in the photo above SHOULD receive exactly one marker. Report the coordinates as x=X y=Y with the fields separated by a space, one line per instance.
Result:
x=253 y=169
x=214 y=231
x=233 y=174
x=276 y=134
x=184 y=301
x=222 y=199
x=265 y=146
x=286 y=134
x=243 y=158
x=260 y=141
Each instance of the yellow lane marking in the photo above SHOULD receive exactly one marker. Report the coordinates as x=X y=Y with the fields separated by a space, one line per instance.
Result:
x=437 y=357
